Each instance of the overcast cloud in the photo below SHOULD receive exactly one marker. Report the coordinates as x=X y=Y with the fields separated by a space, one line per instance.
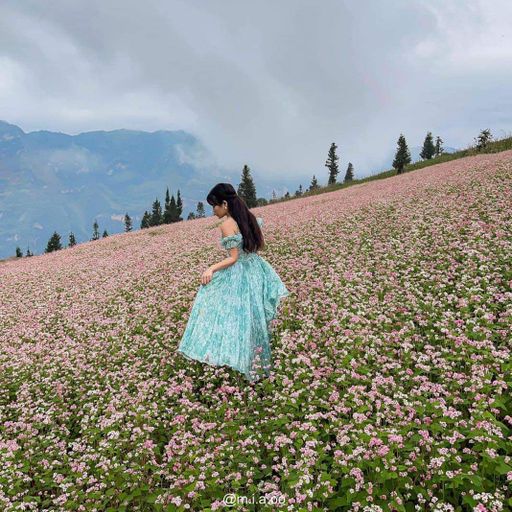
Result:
x=267 y=83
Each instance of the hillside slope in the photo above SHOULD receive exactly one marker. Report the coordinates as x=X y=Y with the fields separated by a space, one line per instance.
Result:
x=392 y=373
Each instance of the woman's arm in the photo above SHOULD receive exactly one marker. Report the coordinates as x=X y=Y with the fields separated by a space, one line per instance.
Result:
x=227 y=262
x=227 y=229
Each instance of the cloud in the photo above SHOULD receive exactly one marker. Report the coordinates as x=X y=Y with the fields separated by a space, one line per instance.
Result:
x=268 y=84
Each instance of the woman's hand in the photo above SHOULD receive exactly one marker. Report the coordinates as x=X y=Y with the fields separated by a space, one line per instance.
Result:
x=207 y=276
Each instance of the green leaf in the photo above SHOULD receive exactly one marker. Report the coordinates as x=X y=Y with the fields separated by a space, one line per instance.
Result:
x=152 y=498
x=293 y=478
x=503 y=468
x=30 y=499
x=469 y=500
x=337 y=502
x=325 y=476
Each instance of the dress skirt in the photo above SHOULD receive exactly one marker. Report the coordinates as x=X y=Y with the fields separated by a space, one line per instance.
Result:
x=229 y=323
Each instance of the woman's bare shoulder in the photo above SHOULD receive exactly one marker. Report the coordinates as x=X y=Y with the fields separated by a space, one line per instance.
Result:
x=229 y=226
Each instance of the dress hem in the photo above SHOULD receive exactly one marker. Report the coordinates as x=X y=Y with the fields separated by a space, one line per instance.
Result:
x=216 y=365
x=280 y=297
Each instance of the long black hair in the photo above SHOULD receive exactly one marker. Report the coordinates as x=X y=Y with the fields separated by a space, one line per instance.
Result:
x=247 y=223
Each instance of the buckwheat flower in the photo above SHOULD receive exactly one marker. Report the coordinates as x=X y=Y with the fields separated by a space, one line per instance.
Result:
x=58 y=477
x=300 y=497
x=383 y=450
x=216 y=505
x=149 y=444
x=357 y=474
x=491 y=452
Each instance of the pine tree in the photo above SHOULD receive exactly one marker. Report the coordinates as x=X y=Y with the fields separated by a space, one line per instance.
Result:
x=247 y=189
x=349 y=175
x=72 y=240
x=403 y=156
x=28 y=253
x=127 y=223
x=429 y=149
x=168 y=214
x=287 y=195
x=173 y=210
x=332 y=165
x=105 y=234
x=156 y=215
x=191 y=216
x=96 y=233
x=200 y=210
x=53 y=243
x=274 y=195
x=439 y=146
x=314 y=184
x=298 y=192
x=483 y=139
x=179 y=207
x=19 y=253
x=146 y=220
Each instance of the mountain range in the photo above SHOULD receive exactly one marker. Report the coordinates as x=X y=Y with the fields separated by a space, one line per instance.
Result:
x=57 y=182
x=52 y=181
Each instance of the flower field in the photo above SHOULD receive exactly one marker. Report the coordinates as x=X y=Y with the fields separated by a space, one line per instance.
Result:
x=392 y=370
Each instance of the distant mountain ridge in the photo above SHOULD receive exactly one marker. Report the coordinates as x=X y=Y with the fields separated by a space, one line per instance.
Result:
x=51 y=181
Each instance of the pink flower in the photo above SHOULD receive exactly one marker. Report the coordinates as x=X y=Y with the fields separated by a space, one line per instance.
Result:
x=149 y=444
x=383 y=450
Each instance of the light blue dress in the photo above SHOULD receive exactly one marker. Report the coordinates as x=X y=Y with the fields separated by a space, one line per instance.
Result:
x=229 y=323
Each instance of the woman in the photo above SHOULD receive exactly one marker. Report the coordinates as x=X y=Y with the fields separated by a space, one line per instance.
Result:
x=238 y=297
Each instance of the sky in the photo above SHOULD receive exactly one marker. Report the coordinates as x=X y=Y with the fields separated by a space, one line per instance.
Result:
x=268 y=84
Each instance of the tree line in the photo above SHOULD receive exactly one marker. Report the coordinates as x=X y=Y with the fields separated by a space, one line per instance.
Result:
x=173 y=207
